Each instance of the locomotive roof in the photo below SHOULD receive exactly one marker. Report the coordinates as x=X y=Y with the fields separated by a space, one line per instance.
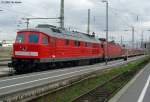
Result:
x=62 y=33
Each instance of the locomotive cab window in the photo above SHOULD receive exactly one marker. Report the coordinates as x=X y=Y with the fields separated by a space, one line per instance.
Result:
x=33 y=38
x=20 y=38
x=45 y=40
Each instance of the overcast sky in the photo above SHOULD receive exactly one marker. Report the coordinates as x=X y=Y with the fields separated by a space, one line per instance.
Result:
x=122 y=15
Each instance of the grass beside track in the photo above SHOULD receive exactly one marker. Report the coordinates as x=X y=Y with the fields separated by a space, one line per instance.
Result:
x=70 y=93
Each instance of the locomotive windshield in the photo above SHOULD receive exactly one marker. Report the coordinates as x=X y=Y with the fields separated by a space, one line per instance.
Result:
x=20 y=38
x=33 y=38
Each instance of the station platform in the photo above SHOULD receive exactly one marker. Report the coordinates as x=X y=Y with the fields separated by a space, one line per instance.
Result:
x=137 y=90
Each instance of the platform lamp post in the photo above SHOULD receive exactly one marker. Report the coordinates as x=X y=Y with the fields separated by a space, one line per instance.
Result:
x=106 y=55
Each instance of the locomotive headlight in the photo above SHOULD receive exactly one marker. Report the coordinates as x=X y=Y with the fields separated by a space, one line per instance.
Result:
x=53 y=56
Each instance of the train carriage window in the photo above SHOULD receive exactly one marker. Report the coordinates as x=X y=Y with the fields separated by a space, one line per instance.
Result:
x=33 y=38
x=20 y=38
x=67 y=42
x=102 y=46
x=86 y=44
x=52 y=41
x=45 y=40
x=77 y=43
x=89 y=44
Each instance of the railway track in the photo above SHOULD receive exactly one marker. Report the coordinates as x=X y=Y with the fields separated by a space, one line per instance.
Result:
x=6 y=71
x=22 y=86
x=99 y=94
x=5 y=59
x=4 y=62
x=102 y=93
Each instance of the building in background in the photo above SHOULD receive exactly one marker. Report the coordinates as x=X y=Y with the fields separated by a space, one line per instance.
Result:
x=6 y=43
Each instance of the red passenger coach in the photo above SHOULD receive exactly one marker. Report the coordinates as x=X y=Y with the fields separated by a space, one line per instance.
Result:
x=47 y=46
x=115 y=51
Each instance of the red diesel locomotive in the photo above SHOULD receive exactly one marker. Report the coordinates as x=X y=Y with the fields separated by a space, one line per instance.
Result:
x=47 y=46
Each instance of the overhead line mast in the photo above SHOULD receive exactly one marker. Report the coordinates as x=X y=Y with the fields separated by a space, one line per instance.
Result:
x=28 y=20
x=88 y=27
x=62 y=14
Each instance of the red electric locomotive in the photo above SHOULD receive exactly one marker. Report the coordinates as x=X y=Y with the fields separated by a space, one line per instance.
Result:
x=47 y=45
